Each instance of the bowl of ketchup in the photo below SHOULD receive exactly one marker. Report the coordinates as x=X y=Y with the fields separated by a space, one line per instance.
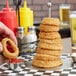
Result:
x=15 y=64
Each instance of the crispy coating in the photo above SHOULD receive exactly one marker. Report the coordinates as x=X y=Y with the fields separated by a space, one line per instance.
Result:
x=46 y=64
x=51 y=46
x=59 y=40
x=51 y=21
x=48 y=52
x=49 y=35
x=8 y=54
x=46 y=57
x=48 y=28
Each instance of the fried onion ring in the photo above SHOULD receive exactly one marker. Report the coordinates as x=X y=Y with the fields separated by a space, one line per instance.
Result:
x=8 y=54
x=46 y=64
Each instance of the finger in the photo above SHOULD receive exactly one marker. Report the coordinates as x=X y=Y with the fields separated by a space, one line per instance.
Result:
x=8 y=32
x=1 y=28
x=12 y=36
x=1 y=47
x=3 y=36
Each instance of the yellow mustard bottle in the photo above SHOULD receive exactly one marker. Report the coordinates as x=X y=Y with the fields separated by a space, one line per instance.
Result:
x=26 y=17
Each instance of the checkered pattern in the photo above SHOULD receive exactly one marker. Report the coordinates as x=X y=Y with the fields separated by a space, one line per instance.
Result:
x=28 y=71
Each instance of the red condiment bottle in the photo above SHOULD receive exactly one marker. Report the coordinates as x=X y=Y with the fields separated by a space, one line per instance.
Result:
x=9 y=18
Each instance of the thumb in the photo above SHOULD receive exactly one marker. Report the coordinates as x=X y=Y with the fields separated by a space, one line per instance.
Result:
x=1 y=47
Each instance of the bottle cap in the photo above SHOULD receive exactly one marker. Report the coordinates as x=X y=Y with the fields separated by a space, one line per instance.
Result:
x=26 y=17
x=20 y=29
x=25 y=7
x=7 y=9
x=31 y=27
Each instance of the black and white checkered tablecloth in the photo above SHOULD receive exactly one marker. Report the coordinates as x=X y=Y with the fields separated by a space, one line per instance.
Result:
x=27 y=71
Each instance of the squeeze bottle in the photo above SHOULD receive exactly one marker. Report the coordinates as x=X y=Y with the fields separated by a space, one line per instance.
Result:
x=26 y=17
x=9 y=18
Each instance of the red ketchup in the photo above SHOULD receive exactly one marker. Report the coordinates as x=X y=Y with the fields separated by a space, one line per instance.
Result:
x=15 y=61
x=9 y=47
x=9 y=18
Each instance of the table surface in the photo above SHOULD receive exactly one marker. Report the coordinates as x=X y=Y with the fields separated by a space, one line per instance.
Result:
x=26 y=69
x=66 y=46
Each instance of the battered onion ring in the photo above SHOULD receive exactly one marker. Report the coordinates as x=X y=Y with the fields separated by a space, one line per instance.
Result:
x=46 y=64
x=8 y=54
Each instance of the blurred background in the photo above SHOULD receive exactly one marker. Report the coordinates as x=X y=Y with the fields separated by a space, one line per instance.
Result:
x=40 y=7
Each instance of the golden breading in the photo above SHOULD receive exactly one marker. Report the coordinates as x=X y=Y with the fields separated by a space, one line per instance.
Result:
x=46 y=64
x=46 y=57
x=48 y=28
x=48 y=52
x=51 y=21
x=8 y=54
x=49 y=35
x=51 y=46
x=59 y=40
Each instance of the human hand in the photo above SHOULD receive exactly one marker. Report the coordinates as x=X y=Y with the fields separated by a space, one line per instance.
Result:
x=5 y=32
